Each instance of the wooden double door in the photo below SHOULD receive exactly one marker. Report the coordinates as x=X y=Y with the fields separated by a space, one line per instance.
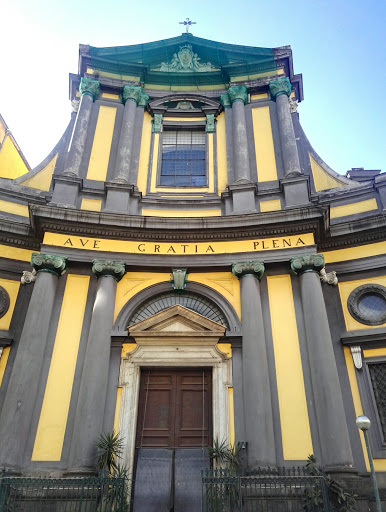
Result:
x=175 y=408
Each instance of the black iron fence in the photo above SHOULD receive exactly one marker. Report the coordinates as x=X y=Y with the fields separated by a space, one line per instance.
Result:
x=264 y=491
x=18 y=494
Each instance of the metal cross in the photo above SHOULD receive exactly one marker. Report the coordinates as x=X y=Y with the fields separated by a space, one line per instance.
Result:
x=187 y=23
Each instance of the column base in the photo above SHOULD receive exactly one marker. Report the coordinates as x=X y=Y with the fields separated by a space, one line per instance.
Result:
x=66 y=191
x=243 y=197
x=296 y=191
x=122 y=198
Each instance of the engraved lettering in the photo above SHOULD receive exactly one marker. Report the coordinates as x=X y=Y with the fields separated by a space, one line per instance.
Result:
x=141 y=247
x=196 y=248
x=286 y=242
x=83 y=243
x=96 y=242
x=274 y=244
x=184 y=246
x=300 y=242
x=156 y=248
x=256 y=244
x=68 y=241
x=171 y=249
x=264 y=245
x=209 y=249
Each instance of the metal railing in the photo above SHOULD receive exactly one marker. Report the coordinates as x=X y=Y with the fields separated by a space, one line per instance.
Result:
x=94 y=494
x=279 y=491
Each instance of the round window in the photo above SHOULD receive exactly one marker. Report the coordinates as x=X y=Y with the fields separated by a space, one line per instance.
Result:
x=367 y=304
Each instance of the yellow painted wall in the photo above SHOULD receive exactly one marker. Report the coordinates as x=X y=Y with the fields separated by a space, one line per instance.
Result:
x=262 y=96
x=53 y=416
x=272 y=205
x=12 y=287
x=379 y=464
x=11 y=163
x=100 y=153
x=231 y=409
x=14 y=208
x=323 y=180
x=345 y=288
x=143 y=166
x=223 y=282
x=354 y=253
x=353 y=208
x=265 y=153
x=3 y=362
x=222 y=164
x=148 y=212
x=295 y=425
x=374 y=352
x=93 y=205
x=42 y=180
x=110 y=96
x=184 y=119
x=117 y=409
x=14 y=253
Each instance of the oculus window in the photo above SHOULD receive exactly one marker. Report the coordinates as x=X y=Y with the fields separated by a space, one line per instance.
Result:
x=183 y=158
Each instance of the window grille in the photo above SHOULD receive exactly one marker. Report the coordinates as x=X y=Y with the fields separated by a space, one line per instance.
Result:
x=183 y=158
x=378 y=380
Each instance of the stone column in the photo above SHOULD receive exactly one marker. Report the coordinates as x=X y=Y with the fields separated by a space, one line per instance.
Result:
x=93 y=387
x=19 y=402
x=67 y=185
x=280 y=91
x=238 y=96
x=256 y=387
x=122 y=188
x=332 y=425
x=295 y=184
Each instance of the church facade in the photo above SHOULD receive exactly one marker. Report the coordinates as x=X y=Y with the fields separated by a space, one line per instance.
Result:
x=183 y=267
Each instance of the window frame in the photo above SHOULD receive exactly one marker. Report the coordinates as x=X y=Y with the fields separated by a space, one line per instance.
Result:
x=182 y=126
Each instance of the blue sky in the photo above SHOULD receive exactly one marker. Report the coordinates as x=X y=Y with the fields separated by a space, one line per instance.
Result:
x=339 y=47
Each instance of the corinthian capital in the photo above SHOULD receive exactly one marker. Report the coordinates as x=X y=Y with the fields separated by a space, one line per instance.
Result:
x=89 y=87
x=115 y=269
x=238 y=93
x=243 y=268
x=135 y=93
x=55 y=265
x=307 y=263
x=279 y=87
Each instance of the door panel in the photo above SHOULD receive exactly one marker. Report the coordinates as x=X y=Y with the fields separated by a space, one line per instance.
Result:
x=175 y=408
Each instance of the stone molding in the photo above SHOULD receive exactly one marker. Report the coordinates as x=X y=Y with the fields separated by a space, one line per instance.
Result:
x=244 y=268
x=108 y=268
x=4 y=301
x=55 y=265
x=328 y=277
x=238 y=93
x=210 y=123
x=157 y=123
x=356 y=353
x=307 y=263
x=279 y=87
x=28 y=277
x=355 y=297
x=89 y=87
x=135 y=93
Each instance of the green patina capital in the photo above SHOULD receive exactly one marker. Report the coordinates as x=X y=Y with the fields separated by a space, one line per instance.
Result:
x=115 y=269
x=89 y=87
x=243 y=268
x=210 y=123
x=307 y=263
x=157 y=123
x=135 y=93
x=55 y=265
x=225 y=100
x=279 y=87
x=238 y=93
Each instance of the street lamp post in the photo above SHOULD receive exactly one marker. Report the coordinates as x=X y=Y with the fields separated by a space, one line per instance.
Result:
x=363 y=423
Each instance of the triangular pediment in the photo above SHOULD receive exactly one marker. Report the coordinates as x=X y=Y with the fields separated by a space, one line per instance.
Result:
x=177 y=320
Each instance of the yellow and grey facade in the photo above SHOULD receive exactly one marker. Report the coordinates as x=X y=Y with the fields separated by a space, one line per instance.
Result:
x=259 y=263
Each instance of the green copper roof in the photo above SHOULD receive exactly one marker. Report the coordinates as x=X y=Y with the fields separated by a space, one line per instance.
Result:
x=183 y=60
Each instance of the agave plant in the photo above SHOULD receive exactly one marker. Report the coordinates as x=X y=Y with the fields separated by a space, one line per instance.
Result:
x=109 y=447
